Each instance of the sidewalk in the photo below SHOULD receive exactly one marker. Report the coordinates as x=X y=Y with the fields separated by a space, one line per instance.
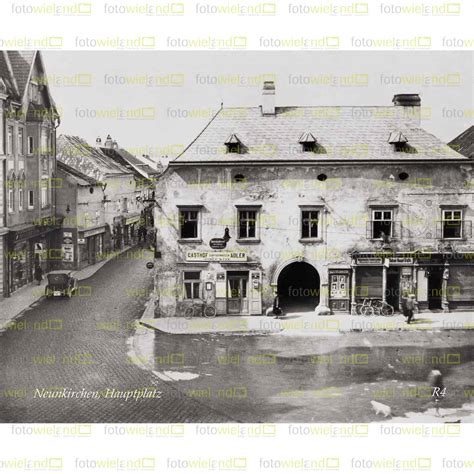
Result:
x=307 y=324
x=13 y=306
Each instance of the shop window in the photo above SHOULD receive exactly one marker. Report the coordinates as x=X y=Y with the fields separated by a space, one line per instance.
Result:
x=189 y=223
x=248 y=223
x=310 y=223
x=192 y=285
x=452 y=224
x=382 y=223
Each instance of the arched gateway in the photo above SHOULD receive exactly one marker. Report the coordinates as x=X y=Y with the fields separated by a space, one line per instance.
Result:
x=298 y=286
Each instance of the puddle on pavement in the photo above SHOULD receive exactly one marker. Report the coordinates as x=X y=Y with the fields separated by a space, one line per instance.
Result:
x=324 y=380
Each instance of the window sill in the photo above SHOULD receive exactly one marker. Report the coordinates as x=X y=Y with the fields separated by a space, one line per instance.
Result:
x=451 y=238
x=248 y=241
x=310 y=241
x=190 y=241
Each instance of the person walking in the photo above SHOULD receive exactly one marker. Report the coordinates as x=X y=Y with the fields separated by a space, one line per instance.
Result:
x=38 y=274
x=435 y=380
x=410 y=307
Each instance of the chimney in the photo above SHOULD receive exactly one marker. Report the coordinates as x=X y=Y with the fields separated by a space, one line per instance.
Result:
x=108 y=142
x=409 y=106
x=98 y=142
x=268 y=98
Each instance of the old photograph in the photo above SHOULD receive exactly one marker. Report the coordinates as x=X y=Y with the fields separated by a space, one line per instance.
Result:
x=236 y=237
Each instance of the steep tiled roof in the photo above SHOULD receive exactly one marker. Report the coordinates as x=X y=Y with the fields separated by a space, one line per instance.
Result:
x=464 y=143
x=21 y=62
x=81 y=156
x=343 y=133
x=79 y=177
x=6 y=75
x=134 y=164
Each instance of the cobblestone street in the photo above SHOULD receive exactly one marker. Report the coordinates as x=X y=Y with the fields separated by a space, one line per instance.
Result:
x=82 y=343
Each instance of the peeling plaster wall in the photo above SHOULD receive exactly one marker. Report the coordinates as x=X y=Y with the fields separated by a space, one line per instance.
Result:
x=346 y=196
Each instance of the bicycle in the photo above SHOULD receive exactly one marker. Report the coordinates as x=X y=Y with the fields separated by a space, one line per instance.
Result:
x=370 y=307
x=200 y=307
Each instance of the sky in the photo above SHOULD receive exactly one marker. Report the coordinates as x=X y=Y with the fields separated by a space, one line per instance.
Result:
x=155 y=103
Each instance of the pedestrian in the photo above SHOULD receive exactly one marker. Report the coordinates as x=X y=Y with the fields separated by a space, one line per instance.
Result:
x=277 y=311
x=38 y=274
x=435 y=381
x=404 y=306
x=410 y=307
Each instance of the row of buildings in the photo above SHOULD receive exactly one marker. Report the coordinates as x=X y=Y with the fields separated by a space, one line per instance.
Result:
x=64 y=203
x=323 y=206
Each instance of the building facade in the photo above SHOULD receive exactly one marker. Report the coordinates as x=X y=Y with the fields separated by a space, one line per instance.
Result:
x=109 y=221
x=28 y=122
x=323 y=206
x=85 y=235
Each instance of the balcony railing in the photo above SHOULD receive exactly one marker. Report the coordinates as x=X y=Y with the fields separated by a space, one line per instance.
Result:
x=454 y=229
x=392 y=229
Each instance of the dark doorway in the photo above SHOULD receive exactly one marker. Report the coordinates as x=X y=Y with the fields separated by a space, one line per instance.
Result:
x=392 y=292
x=299 y=287
x=435 y=283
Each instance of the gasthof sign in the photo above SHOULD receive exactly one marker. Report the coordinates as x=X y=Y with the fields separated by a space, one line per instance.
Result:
x=196 y=256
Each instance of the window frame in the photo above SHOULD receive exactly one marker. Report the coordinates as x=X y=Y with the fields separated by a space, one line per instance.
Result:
x=11 y=199
x=311 y=208
x=460 y=220
x=32 y=194
x=21 y=141
x=30 y=145
x=373 y=210
x=10 y=140
x=192 y=281
x=190 y=208
x=21 y=198
x=248 y=208
x=44 y=188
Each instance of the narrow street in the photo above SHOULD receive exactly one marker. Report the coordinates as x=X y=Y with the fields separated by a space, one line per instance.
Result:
x=82 y=343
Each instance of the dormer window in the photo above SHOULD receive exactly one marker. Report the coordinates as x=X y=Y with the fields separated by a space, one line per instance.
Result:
x=309 y=144
x=400 y=142
x=233 y=144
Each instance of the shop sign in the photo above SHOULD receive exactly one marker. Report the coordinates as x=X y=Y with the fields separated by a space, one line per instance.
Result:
x=369 y=261
x=88 y=233
x=81 y=241
x=218 y=243
x=226 y=256
x=68 y=253
x=401 y=260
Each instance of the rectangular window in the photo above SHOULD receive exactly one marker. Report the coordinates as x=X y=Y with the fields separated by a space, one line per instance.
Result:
x=44 y=142
x=11 y=200
x=247 y=224
x=20 y=199
x=452 y=224
x=31 y=199
x=10 y=140
x=124 y=204
x=309 y=224
x=382 y=223
x=192 y=285
x=189 y=224
x=21 y=145
x=34 y=93
x=30 y=145
x=44 y=192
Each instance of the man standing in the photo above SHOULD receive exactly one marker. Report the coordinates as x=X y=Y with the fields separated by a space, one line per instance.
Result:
x=410 y=307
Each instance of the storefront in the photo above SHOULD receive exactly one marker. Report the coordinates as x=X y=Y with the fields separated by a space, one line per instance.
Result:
x=441 y=281
x=224 y=279
x=29 y=246
x=91 y=245
x=130 y=226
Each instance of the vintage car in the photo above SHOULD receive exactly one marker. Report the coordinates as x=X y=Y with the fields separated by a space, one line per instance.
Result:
x=61 y=283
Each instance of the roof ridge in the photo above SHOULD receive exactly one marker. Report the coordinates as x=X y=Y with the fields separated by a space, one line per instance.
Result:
x=202 y=131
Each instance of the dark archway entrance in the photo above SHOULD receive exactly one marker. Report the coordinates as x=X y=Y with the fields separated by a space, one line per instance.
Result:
x=299 y=287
